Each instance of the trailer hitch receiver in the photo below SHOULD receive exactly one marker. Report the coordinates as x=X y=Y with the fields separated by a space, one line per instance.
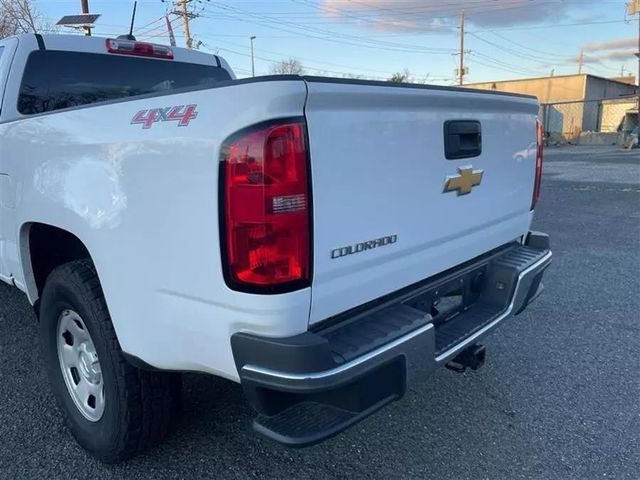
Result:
x=472 y=357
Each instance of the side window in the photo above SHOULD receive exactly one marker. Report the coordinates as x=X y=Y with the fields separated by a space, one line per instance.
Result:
x=54 y=80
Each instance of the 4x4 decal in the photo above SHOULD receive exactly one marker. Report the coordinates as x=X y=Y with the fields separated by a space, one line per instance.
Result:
x=182 y=114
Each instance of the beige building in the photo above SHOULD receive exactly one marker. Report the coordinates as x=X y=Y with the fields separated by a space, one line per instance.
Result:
x=574 y=104
x=565 y=88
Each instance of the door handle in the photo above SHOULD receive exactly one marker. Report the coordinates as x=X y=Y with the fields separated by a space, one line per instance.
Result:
x=462 y=139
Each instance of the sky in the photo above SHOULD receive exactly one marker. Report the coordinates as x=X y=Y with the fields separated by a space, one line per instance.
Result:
x=504 y=39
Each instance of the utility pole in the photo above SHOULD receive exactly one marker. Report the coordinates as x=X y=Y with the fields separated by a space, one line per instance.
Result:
x=461 y=70
x=185 y=18
x=85 y=10
x=580 y=61
x=253 y=66
x=186 y=15
x=633 y=8
x=622 y=71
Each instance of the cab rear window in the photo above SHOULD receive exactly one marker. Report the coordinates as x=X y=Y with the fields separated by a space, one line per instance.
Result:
x=54 y=80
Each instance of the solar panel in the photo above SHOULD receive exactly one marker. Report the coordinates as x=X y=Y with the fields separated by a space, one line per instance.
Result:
x=78 y=20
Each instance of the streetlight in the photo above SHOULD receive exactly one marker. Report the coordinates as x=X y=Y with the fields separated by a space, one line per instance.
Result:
x=253 y=67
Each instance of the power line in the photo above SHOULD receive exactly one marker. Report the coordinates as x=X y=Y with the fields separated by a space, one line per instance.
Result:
x=502 y=65
x=335 y=37
x=276 y=61
x=493 y=66
x=137 y=29
x=326 y=34
x=435 y=10
x=511 y=51
x=269 y=22
x=331 y=64
x=317 y=69
x=549 y=54
x=557 y=25
x=164 y=32
x=161 y=28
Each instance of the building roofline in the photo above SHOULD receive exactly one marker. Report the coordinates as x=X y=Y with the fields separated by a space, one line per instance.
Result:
x=555 y=76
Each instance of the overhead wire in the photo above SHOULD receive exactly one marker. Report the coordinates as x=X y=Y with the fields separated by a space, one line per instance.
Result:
x=325 y=34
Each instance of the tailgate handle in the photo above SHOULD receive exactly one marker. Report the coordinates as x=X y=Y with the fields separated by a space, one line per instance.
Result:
x=462 y=139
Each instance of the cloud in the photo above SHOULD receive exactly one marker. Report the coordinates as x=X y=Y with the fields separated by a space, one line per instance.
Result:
x=612 y=45
x=613 y=55
x=404 y=25
x=618 y=55
x=420 y=15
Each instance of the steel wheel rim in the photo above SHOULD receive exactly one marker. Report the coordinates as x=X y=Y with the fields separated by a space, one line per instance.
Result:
x=80 y=365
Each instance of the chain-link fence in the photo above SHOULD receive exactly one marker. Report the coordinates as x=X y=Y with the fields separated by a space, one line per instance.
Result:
x=592 y=121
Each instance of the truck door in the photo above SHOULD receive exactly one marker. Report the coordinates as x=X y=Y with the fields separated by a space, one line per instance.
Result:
x=8 y=234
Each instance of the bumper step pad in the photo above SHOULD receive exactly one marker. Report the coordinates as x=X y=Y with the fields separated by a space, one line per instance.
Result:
x=307 y=423
x=370 y=331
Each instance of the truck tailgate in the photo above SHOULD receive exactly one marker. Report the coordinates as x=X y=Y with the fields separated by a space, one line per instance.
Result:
x=382 y=217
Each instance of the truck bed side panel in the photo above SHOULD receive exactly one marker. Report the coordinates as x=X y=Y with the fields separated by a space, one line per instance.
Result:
x=145 y=204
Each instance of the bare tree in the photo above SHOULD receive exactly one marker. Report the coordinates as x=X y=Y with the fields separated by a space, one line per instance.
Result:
x=400 y=77
x=290 y=66
x=17 y=16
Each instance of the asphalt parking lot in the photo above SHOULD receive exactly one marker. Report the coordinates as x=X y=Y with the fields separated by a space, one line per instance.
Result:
x=559 y=398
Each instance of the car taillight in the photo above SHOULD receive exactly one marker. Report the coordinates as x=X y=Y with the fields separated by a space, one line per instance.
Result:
x=138 y=49
x=265 y=212
x=538 y=181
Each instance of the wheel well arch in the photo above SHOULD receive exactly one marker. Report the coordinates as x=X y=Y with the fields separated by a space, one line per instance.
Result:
x=45 y=247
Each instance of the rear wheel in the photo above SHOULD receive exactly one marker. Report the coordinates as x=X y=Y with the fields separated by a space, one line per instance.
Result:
x=113 y=409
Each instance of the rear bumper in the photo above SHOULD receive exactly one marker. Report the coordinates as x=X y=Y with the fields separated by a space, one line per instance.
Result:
x=311 y=386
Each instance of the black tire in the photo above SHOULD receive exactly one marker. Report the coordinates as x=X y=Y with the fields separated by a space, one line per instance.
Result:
x=138 y=404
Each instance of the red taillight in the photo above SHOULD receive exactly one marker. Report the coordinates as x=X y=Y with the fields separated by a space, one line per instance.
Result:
x=538 y=181
x=139 y=49
x=266 y=205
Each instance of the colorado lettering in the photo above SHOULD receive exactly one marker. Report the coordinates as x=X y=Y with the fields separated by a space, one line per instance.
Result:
x=362 y=246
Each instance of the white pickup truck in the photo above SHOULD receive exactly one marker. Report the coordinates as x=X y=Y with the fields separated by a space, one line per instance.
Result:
x=320 y=241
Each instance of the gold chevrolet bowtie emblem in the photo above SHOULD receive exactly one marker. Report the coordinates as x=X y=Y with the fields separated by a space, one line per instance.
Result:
x=466 y=179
